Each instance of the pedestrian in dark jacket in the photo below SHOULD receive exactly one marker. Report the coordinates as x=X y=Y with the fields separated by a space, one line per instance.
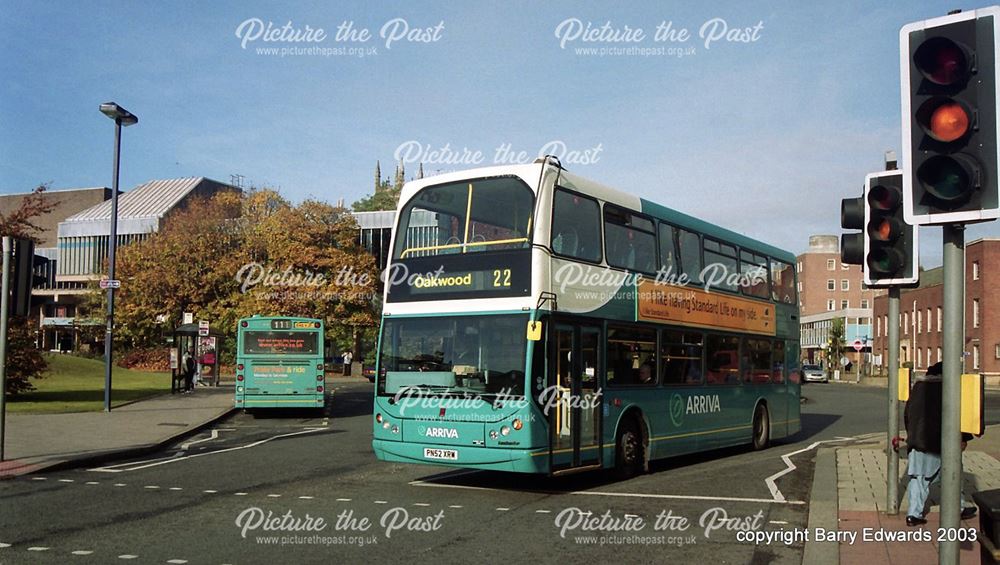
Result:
x=189 y=368
x=923 y=438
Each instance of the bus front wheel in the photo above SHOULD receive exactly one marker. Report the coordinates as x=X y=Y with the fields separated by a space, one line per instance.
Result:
x=761 y=428
x=628 y=450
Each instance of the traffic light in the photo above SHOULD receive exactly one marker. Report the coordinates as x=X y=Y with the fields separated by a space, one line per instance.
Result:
x=852 y=217
x=22 y=265
x=948 y=67
x=890 y=244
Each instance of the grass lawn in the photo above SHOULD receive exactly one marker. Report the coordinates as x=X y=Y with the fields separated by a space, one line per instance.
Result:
x=76 y=384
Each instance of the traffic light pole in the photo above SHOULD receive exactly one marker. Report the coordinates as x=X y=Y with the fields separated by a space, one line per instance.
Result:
x=892 y=468
x=951 y=450
x=8 y=243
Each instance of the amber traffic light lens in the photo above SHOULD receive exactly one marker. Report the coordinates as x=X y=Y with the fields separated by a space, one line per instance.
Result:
x=941 y=61
x=884 y=229
x=949 y=121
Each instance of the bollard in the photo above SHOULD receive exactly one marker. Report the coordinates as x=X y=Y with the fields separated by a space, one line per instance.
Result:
x=989 y=526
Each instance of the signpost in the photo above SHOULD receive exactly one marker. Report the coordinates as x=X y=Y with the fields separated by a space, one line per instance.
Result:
x=858 y=346
x=110 y=283
x=203 y=328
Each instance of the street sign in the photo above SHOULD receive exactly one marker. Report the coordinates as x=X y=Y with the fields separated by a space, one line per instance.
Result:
x=844 y=361
x=110 y=283
x=188 y=318
x=203 y=328
x=858 y=346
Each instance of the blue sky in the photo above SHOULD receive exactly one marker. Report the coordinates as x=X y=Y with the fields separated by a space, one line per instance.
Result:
x=764 y=137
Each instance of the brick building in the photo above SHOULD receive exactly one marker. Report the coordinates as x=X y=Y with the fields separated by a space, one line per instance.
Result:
x=921 y=321
x=829 y=289
x=826 y=284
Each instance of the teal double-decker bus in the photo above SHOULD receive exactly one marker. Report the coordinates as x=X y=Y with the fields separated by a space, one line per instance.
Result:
x=535 y=321
x=279 y=363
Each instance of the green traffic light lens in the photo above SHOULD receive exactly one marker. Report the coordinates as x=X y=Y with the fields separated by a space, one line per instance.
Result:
x=884 y=261
x=945 y=178
x=941 y=61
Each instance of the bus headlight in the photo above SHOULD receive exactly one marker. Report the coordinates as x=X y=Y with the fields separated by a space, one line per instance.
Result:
x=505 y=431
x=319 y=388
x=395 y=429
x=493 y=434
x=378 y=417
x=239 y=377
x=385 y=425
x=239 y=389
x=517 y=424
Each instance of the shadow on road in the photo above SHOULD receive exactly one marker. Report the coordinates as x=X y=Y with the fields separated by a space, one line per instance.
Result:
x=812 y=425
x=544 y=484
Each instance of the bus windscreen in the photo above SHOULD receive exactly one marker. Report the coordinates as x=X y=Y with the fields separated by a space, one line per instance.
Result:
x=278 y=342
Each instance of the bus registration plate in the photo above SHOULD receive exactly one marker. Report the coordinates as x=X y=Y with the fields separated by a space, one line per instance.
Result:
x=432 y=453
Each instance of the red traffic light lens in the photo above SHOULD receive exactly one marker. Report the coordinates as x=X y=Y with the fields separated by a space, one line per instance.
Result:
x=941 y=61
x=884 y=198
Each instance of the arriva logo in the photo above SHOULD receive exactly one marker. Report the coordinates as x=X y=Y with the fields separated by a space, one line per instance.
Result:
x=448 y=433
x=676 y=410
x=703 y=404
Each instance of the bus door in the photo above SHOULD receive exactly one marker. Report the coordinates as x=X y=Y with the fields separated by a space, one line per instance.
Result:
x=575 y=415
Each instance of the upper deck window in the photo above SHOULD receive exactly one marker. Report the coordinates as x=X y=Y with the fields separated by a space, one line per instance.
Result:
x=576 y=226
x=468 y=216
x=629 y=240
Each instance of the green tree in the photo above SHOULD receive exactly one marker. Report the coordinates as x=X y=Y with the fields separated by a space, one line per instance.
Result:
x=236 y=255
x=835 y=343
x=24 y=361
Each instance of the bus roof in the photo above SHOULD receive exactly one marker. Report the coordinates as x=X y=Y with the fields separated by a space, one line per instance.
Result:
x=531 y=172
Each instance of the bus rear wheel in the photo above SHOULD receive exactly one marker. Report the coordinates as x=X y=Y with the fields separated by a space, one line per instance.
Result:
x=628 y=450
x=761 y=428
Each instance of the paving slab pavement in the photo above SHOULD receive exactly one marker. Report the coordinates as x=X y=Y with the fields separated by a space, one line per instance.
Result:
x=36 y=442
x=858 y=488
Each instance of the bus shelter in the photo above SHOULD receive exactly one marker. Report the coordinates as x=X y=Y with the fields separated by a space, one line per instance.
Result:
x=205 y=348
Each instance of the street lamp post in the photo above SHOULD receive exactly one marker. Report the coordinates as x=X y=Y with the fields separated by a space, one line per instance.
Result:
x=122 y=117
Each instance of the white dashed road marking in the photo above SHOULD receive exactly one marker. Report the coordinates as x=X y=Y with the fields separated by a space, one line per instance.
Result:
x=343 y=500
x=209 y=491
x=128 y=556
x=175 y=488
x=39 y=478
x=38 y=548
x=92 y=483
x=239 y=494
x=381 y=502
x=502 y=509
x=274 y=496
x=3 y=545
x=65 y=480
x=306 y=497
x=543 y=511
x=177 y=561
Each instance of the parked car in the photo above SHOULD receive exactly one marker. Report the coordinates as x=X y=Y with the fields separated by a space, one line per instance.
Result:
x=369 y=372
x=814 y=374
